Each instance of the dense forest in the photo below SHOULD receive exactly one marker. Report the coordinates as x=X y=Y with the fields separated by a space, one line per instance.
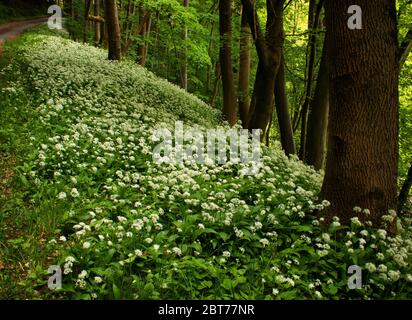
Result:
x=322 y=87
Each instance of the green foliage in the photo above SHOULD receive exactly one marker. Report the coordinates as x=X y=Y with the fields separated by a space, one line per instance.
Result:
x=125 y=227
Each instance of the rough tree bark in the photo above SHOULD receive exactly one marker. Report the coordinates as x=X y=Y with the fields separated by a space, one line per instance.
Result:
x=244 y=69
x=113 y=29
x=361 y=168
x=225 y=54
x=316 y=139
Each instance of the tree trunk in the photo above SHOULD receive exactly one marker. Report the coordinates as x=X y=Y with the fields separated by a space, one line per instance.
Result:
x=361 y=167
x=184 y=64
x=406 y=187
x=316 y=139
x=209 y=67
x=125 y=27
x=146 y=46
x=72 y=9
x=229 y=96
x=282 y=110
x=313 y=23
x=244 y=69
x=141 y=29
x=269 y=50
x=87 y=5
x=113 y=30
x=143 y=49
x=218 y=76
x=98 y=24
x=261 y=106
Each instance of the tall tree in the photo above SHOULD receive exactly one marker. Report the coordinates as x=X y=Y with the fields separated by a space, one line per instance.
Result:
x=87 y=5
x=316 y=140
x=229 y=94
x=184 y=64
x=145 y=22
x=268 y=47
x=282 y=110
x=406 y=187
x=361 y=167
x=113 y=29
x=406 y=47
x=313 y=23
x=97 y=24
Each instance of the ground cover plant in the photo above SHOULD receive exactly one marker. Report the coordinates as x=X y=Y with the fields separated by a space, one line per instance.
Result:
x=85 y=185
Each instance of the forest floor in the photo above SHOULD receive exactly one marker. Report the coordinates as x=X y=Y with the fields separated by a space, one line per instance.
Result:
x=12 y=30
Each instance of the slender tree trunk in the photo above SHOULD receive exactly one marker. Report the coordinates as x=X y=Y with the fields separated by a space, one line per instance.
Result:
x=282 y=110
x=184 y=64
x=146 y=46
x=361 y=167
x=103 y=38
x=72 y=9
x=318 y=117
x=127 y=24
x=209 y=67
x=87 y=5
x=69 y=8
x=269 y=50
x=406 y=187
x=98 y=24
x=218 y=76
x=229 y=95
x=244 y=69
x=261 y=106
x=113 y=30
x=406 y=47
x=143 y=48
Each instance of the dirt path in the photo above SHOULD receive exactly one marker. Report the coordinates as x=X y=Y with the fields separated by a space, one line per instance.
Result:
x=12 y=30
